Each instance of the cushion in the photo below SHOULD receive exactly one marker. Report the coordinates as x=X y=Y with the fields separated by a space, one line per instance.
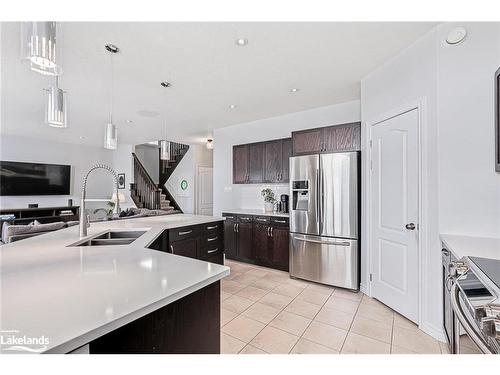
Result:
x=9 y=230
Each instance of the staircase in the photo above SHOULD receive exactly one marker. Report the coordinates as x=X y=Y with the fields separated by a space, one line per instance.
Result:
x=145 y=192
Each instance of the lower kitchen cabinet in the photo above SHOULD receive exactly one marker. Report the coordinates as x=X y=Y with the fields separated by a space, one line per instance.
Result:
x=261 y=240
x=203 y=241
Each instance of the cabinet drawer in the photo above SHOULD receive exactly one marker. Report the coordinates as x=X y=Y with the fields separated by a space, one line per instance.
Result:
x=245 y=218
x=211 y=228
x=218 y=258
x=282 y=221
x=212 y=240
x=184 y=232
x=211 y=251
x=261 y=219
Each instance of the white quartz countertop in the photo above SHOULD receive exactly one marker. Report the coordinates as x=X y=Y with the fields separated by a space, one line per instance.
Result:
x=246 y=211
x=460 y=246
x=72 y=295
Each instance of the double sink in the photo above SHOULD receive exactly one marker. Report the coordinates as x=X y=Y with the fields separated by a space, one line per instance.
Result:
x=111 y=237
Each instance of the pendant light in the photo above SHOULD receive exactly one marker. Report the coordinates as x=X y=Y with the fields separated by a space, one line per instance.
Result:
x=40 y=45
x=55 y=107
x=210 y=144
x=164 y=144
x=110 y=130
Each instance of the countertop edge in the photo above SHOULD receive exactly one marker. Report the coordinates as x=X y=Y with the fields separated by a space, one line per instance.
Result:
x=86 y=338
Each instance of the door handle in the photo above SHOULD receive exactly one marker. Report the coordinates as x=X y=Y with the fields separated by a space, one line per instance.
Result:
x=214 y=227
x=238 y=228
x=280 y=221
x=234 y=228
x=410 y=226
x=172 y=249
x=213 y=251
x=268 y=229
x=272 y=231
x=212 y=239
x=342 y=243
x=186 y=232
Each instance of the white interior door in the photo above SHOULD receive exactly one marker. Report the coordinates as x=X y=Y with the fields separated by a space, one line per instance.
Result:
x=394 y=221
x=204 y=196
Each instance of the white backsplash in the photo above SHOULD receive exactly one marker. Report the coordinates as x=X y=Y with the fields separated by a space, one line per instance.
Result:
x=249 y=196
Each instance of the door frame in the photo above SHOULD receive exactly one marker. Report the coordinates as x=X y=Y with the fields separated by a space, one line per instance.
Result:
x=422 y=238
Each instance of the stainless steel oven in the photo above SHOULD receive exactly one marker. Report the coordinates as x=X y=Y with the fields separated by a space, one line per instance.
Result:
x=475 y=301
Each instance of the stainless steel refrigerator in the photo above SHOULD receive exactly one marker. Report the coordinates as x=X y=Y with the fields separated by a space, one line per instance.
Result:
x=324 y=219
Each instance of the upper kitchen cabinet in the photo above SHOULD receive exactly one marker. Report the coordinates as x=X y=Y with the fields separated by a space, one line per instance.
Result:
x=240 y=164
x=307 y=142
x=338 y=138
x=255 y=162
x=262 y=162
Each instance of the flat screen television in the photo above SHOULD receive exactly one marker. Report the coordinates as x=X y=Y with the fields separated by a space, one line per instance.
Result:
x=18 y=178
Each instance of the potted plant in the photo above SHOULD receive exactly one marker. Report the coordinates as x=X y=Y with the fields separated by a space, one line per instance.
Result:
x=269 y=199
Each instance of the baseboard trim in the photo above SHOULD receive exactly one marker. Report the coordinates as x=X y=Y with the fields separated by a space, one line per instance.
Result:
x=363 y=288
x=437 y=333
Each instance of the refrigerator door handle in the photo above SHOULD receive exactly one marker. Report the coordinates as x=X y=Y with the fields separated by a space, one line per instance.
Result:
x=333 y=243
x=318 y=199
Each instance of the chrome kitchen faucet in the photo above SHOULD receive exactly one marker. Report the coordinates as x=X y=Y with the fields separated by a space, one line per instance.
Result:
x=85 y=219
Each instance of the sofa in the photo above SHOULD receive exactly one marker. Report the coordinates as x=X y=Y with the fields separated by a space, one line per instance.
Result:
x=13 y=233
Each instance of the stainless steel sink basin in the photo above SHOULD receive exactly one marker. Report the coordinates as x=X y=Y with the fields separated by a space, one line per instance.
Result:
x=111 y=237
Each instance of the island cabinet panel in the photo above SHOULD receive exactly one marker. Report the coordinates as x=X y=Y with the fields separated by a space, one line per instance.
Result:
x=186 y=248
x=240 y=164
x=337 y=138
x=190 y=325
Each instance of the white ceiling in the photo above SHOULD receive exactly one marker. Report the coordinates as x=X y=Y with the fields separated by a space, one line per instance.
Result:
x=209 y=72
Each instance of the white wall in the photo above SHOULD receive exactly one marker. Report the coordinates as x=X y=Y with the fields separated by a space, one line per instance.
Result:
x=197 y=155
x=456 y=84
x=227 y=195
x=122 y=163
x=469 y=187
x=81 y=159
x=149 y=157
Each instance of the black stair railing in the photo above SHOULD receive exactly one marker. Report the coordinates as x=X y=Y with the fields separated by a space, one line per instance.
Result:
x=144 y=189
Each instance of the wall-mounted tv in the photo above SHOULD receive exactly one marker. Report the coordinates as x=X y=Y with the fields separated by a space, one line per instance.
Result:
x=18 y=178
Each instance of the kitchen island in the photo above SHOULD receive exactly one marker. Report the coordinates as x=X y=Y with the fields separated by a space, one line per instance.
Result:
x=109 y=299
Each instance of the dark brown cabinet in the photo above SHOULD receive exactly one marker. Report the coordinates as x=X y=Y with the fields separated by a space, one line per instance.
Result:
x=203 y=241
x=240 y=164
x=261 y=240
x=255 y=156
x=261 y=162
x=186 y=248
x=338 y=138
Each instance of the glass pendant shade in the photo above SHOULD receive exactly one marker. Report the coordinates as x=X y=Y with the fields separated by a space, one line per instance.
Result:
x=210 y=144
x=40 y=46
x=55 y=108
x=110 y=137
x=164 y=150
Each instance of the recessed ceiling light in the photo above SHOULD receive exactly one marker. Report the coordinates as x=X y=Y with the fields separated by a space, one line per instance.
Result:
x=129 y=121
x=81 y=137
x=147 y=113
x=166 y=84
x=241 y=42
x=232 y=106
x=456 y=36
x=294 y=89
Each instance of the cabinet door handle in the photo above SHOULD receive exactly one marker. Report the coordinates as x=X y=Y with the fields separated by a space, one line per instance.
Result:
x=213 y=251
x=237 y=228
x=228 y=217
x=245 y=218
x=268 y=228
x=186 y=232
x=212 y=239
x=272 y=231
x=259 y=219
x=280 y=221
x=172 y=249
x=234 y=228
x=214 y=227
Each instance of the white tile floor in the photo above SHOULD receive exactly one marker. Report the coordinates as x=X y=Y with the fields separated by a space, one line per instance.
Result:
x=265 y=311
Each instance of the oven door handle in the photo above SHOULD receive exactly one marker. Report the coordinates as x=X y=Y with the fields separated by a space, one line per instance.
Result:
x=467 y=326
